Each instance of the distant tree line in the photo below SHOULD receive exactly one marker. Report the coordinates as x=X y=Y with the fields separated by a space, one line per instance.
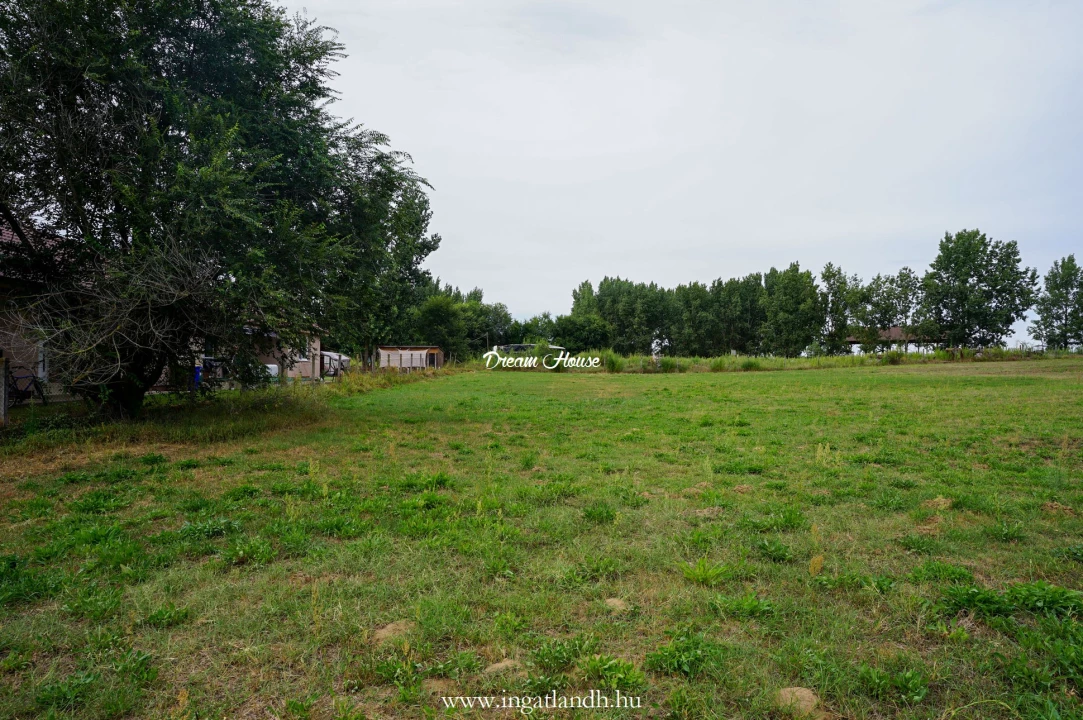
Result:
x=971 y=295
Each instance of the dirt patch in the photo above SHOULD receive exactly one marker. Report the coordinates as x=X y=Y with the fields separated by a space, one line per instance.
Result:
x=937 y=503
x=742 y=489
x=697 y=489
x=438 y=686
x=391 y=631
x=929 y=526
x=502 y=666
x=711 y=512
x=617 y=605
x=1055 y=508
x=798 y=701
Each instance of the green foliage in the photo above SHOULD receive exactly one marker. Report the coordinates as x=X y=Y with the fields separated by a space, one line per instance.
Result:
x=581 y=332
x=920 y=544
x=793 y=309
x=908 y=686
x=975 y=289
x=785 y=519
x=837 y=301
x=200 y=165
x=703 y=572
x=249 y=550
x=555 y=655
x=209 y=528
x=934 y=571
x=688 y=653
x=1059 y=307
x=67 y=693
x=1006 y=531
x=775 y=550
x=610 y=673
x=742 y=606
x=599 y=513
x=167 y=616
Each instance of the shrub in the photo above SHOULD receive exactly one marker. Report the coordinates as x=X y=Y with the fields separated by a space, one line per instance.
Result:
x=612 y=362
x=893 y=357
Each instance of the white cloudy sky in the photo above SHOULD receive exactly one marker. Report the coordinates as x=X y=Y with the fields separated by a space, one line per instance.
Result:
x=679 y=141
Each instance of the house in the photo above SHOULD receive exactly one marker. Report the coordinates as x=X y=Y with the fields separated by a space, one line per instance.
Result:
x=306 y=362
x=410 y=357
x=20 y=351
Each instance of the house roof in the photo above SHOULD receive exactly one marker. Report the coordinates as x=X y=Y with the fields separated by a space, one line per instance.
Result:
x=407 y=347
x=891 y=334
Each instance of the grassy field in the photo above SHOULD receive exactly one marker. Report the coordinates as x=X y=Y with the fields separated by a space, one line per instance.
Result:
x=904 y=541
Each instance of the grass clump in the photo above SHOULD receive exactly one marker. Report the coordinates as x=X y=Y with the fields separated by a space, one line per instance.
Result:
x=688 y=653
x=704 y=572
x=742 y=607
x=611 y=673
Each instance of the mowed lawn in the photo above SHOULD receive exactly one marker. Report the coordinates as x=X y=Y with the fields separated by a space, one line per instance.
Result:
x=903 y=541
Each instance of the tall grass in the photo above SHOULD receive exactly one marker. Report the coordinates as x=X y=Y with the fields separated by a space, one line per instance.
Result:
x=613 y=362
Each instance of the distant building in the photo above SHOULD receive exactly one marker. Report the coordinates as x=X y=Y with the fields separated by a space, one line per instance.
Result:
x=410 y=357
x=19 y=350
x=294 y=363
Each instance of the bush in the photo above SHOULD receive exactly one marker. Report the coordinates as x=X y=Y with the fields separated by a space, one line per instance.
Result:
x=612 y=362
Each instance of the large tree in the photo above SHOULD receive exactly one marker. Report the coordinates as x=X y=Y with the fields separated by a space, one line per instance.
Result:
x=1060 y=306
x=837 y=301
x=975 y=289
x=793 y=309
x=739 y=309
x=177 y=184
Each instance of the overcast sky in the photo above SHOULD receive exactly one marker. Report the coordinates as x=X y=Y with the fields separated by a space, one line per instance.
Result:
x=673 y=141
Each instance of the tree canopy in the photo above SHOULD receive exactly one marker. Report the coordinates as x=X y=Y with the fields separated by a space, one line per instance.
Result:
x=193 y=138
x=975 y=289
x=1060 y=306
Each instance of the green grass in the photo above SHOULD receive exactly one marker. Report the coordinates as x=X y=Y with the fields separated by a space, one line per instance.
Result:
x=905 y=540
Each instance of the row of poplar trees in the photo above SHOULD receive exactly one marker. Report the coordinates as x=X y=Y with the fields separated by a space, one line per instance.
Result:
x=970 y=296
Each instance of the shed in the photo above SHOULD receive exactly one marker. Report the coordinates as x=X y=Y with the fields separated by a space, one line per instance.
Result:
x=411 y=357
